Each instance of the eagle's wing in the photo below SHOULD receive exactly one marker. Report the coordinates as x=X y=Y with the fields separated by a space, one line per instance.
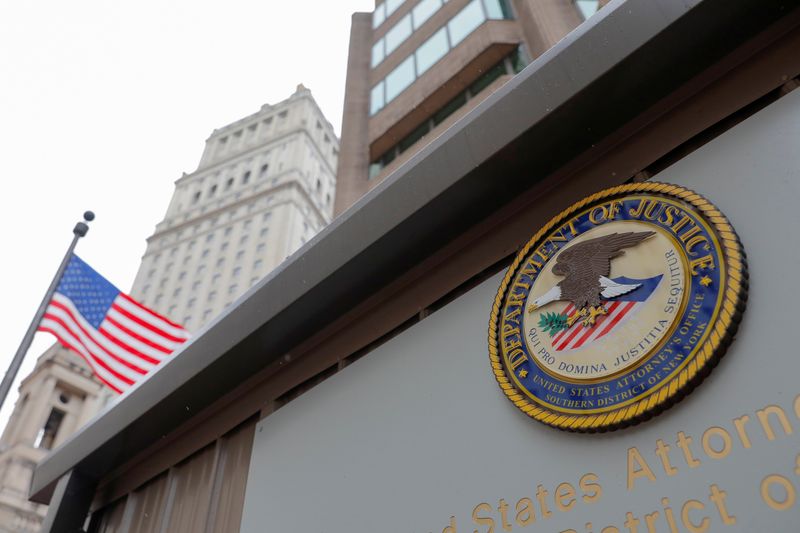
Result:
x=594 y=256
x=612 y=289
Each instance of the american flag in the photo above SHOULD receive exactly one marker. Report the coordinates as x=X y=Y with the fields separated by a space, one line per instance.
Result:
x=617 y=310
x=121 y=340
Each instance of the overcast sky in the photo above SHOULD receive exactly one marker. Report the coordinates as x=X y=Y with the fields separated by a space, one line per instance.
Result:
x=104 y=104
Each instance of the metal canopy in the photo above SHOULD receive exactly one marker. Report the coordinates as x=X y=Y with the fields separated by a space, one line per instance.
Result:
x=604 y=74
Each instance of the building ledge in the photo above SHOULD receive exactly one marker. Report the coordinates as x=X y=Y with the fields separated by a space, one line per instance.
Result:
x=461 y=66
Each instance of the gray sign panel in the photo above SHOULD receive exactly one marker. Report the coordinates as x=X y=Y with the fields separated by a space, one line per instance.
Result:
x=417 y=436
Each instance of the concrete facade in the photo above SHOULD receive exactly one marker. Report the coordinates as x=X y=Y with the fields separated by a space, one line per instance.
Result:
x=478 y=61
x=264 y=186
x=54 y=401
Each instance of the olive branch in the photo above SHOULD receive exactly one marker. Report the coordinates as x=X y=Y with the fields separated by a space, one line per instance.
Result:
x=552 y=323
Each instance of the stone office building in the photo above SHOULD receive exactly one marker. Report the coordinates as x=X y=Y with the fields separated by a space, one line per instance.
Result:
x=356 y=388
x=264 y=186
x=416 y=66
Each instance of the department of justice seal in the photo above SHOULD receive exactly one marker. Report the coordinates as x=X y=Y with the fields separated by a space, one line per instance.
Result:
x=618 y=307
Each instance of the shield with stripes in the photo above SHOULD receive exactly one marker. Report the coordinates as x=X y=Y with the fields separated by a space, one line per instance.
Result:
x=617 y=311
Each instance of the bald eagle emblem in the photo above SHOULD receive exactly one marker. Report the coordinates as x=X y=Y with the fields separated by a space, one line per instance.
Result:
x=586 y=268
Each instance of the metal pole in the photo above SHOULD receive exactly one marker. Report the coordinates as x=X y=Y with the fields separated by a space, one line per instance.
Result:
x=79 y=231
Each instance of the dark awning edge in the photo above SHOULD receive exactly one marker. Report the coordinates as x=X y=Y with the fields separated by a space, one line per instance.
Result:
x=605 y=73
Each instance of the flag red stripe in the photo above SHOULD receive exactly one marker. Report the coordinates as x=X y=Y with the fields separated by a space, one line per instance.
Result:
x=596 y=326
x=136 y=336
x=628 y=306
x=127 y=348
x=149 y=325
x=575 y=331
x=97 y=359
x=69 y=346
x=78 y=325
x=150 y=311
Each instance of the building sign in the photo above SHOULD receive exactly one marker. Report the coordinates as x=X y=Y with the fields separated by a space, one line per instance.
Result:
x=618 y=307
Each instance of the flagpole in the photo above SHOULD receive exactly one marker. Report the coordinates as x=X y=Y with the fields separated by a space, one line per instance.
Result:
x=79 y=231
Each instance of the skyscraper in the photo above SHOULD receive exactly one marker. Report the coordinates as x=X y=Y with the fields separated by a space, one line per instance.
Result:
x=264 y=186
x=417 y=66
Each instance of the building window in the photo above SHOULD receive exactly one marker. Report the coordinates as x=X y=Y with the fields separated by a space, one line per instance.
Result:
x=229 y=184
x=243 y=240
x=257 y=264
x=376 y=99
x=196 y=284
x=263 y=171
x=260 y=248
x=265 y=217
x=498 y=9
x=209 y=237
x=246 y=177
x=236 y=272
x=47 y=435
x=212 y=295
x=392 y=5
x=196 y=197
x=425 y=10
x=399 y=33
x=206 y=314
x=283 y=114
x=201 y=269
x=247 y=224
x=220 y=262
x=233 y=288
x=181 y=275
x=239 y=255
x=431 y=51
x=176 y=293
x=212 y=190
x=190 y=303
x=465 y=22
x=187 y=320
x=215 y=278
x=171 y=310
x=509 y=65
x=377 y=54
x=400 y=78
x=263 y=232
x=379 y=15
x=587 y=7
x=205 y=253
x=228 y=231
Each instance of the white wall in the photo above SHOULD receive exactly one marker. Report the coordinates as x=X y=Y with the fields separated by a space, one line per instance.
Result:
x=418 y=431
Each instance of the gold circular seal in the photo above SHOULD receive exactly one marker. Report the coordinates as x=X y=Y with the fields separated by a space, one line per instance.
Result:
x=618 y=307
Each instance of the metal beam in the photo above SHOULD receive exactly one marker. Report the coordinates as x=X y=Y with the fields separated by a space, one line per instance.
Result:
x=69 y=505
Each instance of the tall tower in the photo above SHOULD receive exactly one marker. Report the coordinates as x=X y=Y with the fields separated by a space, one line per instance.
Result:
x=56 y=399
x=264 y=186
x=416 y=66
